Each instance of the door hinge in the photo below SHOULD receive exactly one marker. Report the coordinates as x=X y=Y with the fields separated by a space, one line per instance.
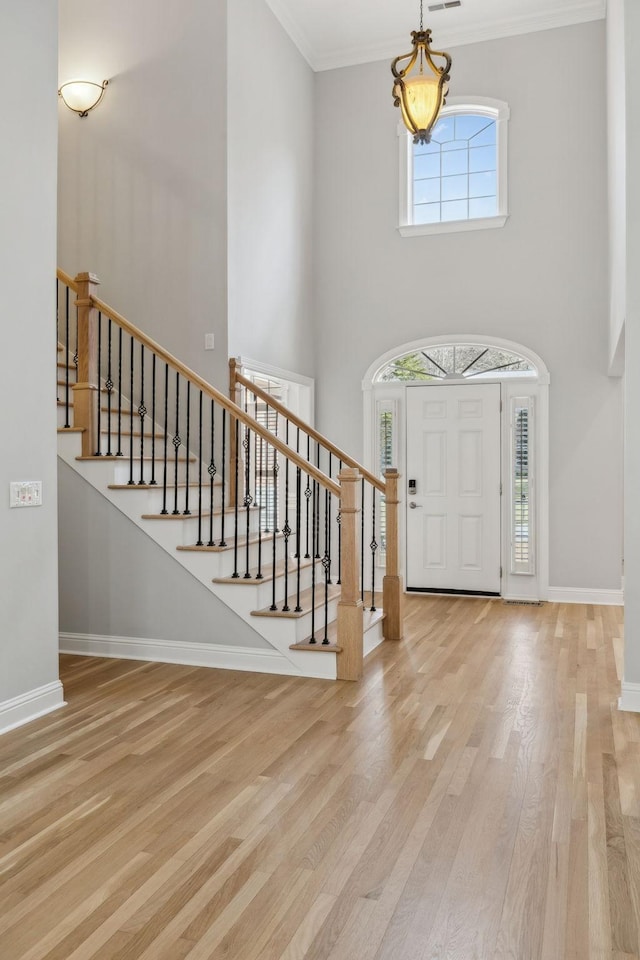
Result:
x=501 y=488
x=501 y=573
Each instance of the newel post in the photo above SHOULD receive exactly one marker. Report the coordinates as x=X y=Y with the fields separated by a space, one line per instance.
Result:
x=86 y=392
x=350 y=609
x=392 y=586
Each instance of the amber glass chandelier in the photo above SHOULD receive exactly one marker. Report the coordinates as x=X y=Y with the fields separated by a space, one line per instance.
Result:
x=420 y=87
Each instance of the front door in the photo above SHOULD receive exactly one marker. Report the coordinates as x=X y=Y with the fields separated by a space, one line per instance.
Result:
x=453 y=488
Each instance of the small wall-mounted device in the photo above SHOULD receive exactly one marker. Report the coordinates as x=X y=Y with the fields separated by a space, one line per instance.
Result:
x=413 y=487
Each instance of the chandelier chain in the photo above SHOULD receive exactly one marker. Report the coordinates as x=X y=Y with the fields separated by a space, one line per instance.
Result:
x=421 y=19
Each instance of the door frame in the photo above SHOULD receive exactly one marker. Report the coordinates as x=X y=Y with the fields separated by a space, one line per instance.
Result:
x=515 y=586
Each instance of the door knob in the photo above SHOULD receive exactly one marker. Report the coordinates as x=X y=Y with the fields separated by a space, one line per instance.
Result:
x=413 y=505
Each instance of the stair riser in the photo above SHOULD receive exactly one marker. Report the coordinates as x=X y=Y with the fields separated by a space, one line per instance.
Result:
x=274 y=629
x=184 y=530
x=248 y=595
x=208 y=565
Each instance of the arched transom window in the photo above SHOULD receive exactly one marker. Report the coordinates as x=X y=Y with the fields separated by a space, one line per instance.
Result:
x=455 y=361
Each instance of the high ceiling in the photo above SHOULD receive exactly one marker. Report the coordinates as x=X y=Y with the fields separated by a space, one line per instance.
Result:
x=336 y=33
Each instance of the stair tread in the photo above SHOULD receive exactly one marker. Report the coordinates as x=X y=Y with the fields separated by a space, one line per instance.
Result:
x=127 y=433
x=369 y=619
x=318 y=647
x=65 y=366
x=305 y=603
x=267 y=573
x=144 y=486
x=70 y=429
x=125 y=457
x=186 y=516
x=242 y=542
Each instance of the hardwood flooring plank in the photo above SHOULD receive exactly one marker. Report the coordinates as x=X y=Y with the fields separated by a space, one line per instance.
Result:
x=475 y=797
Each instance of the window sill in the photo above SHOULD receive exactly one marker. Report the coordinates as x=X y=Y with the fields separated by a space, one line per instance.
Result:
x=451 y=226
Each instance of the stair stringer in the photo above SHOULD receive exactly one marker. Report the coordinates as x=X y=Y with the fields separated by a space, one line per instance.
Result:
x=278 y=632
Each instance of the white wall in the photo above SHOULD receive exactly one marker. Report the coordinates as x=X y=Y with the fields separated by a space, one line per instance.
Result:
x=542 y=280
x=28 y=556
x=142 y=186
x=271 y=154
x=115 y=581
x=617 y=181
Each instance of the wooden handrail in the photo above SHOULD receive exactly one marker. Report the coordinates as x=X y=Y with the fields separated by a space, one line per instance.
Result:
x=347 y=460
x=66 y=279
x=233 y=409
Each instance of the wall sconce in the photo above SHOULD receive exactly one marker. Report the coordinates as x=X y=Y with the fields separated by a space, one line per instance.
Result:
x=81 y=96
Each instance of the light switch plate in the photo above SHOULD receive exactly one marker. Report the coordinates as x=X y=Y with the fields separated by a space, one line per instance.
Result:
x=25 y=493
x=209 y=341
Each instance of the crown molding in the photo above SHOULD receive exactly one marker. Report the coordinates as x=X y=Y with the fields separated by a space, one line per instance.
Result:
x=584 y=11
x=281 y=12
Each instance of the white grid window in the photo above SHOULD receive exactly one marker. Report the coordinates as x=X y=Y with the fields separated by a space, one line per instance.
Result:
x=458 y=181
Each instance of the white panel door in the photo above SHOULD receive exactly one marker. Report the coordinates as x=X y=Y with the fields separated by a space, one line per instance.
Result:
x=453 y=505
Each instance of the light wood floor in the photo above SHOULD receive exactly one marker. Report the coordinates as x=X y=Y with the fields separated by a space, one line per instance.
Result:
x=476 y=797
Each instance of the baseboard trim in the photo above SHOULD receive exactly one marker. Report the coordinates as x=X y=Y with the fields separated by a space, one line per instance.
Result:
x=612 y=598
x=31 y=705
x=254 y=659
x=630 y=697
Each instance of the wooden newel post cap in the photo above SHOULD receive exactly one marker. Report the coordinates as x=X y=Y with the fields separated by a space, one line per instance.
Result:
x=87 y=278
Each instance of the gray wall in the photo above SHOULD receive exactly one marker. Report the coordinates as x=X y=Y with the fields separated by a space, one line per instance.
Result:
x=115 y=581
x=616 y=134
x=270 y=149
x=542 y=280
x=142 y=186
x=632 y=350
x=28 y=556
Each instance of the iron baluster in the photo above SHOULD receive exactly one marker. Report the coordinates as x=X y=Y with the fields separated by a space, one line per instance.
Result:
x=119 y=452
x=176 y=446
x=58 y=333
x=298 y=546
x=199 y=540
x=312 y=638
x=142 y=412
x=224 y=451
x=362 y=540
x=211 y=470
x=327 y=526
x=286 y=530
x=307 y=494
x=326 y=563
x=374 y=546
x=259 y=504
x=109 y=386
x=66 y=356
x=248 y=499
x=165 y=440
x=276 y=468
x=235 y=573
x=317 y=513
x=339 y=522
x=154 y=482
x=187 y=512
x=99 y=391
x=131 y=480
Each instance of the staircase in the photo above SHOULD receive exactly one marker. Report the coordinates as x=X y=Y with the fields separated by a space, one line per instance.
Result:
x=261 y=509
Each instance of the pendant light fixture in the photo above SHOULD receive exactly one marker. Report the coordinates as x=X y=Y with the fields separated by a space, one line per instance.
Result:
x=420 y=95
